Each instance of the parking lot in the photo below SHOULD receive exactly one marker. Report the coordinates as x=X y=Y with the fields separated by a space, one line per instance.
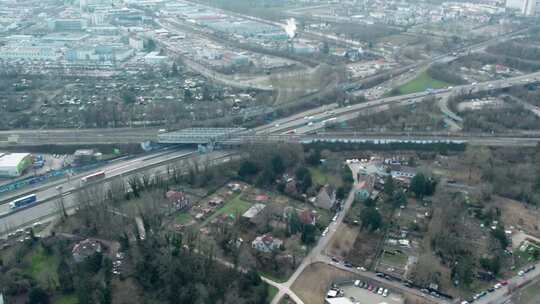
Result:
x=365 y=296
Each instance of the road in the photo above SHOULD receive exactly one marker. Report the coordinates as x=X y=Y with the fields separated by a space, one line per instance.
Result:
x=502 y=295
x=315 y=254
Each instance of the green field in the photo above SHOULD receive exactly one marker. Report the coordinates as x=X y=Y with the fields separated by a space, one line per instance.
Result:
x=67 y=300
x=398 y=259
x=322 y=178
x=43 y=267
x=183 y=218
x=272 y=291
x=232 y=207
x=422 y=83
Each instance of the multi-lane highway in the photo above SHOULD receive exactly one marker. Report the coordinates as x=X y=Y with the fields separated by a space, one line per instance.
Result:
x=49 y=195
x=80 y=136
x=316 y=119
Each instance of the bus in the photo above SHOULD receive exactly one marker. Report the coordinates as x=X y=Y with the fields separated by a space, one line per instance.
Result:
x=93 y=177
x=23 y=201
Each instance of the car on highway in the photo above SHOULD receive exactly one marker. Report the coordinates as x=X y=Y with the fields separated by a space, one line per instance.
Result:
x=325 y=232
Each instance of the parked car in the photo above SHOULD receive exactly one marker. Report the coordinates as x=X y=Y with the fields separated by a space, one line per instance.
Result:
x=385 y=293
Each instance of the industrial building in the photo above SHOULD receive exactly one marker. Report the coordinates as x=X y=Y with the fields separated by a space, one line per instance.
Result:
x=29 y=52
x=14 y=164
x=105 y=53
x=75 y=24
x=526 y=7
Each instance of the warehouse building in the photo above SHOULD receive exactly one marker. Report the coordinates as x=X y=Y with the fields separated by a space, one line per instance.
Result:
x=14 y=164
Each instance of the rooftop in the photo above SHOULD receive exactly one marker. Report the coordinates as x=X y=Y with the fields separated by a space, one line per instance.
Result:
x=254 y=210
x=12 y=159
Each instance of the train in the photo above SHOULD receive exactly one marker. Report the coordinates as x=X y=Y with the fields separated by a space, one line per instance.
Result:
x=23 y=201
x=93 y=177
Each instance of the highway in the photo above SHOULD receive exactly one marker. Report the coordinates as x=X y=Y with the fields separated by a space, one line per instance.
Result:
x=313 y=120
x=309 y=121
x=80 y=136
x=48 y=196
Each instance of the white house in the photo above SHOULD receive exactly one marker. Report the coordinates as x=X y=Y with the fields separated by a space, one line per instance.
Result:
x=266 y=243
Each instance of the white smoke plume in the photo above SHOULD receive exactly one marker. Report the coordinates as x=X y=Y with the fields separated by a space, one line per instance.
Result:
x=290 y=28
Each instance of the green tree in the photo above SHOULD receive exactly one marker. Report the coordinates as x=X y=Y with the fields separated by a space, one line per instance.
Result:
x=369 y=202
x=303 y=179
x=314 y=157
x=278 y=167
x=38 y=296
x=389 y=186
x=128 y=97
x=347 y=176
x=499 y=234
x=308 y=236
x=493 y=265
x=65 y=276
x=399 y=199
x=422 y=186
x=247 y=168
x=341 y=193
x=371 y=219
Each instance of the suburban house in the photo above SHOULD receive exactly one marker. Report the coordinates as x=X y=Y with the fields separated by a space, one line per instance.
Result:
x=85 y=249
x=326 y=197
x=266 y=243
x=307 y=217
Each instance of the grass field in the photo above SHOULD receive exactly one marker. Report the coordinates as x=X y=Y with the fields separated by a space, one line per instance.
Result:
x=422 y=83
x=67 y=300
x=311 y=286
x=43 y=267
x=234 y=206
x=398 y=259
x=273 y=277
x=321 y=178
x=183 y=218
x=272 y=291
